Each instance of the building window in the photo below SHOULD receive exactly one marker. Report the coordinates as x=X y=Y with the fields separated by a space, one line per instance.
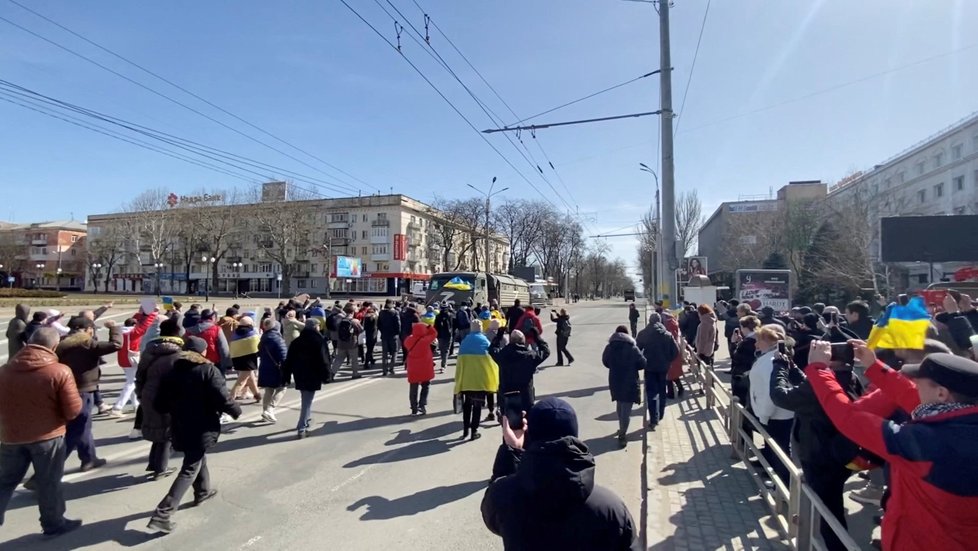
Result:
x=939 y=190
x=413 y=219
x=922 y=278
x=922 y=196
x=939 y=159
x=300 y=283
x=958 y=183
x=364 y=232
x=379 y=249
x=956 y=152
x=74 y=238
x=920 y=167
x=339 y=217
x=901 y=176
x=381 y=216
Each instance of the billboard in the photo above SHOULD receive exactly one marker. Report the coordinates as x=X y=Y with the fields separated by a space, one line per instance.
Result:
x=400 y=246
x=929 y=238
x=348 y=266
x=692 y=265
x=761 y=288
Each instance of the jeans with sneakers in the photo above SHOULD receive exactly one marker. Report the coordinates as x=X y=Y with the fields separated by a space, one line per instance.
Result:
x=305 y=410
x=48 y=459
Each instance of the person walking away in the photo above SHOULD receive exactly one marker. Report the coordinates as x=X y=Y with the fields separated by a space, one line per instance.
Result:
x=777 y=421
x=347 y=332
x=17 y=330
x=689 y=322
x=38 y=397
x=530 y=325
x=194 y=396
x=674 y=377
x=229 y=322
x=624 y=362
x=407 y=315
x=517 y=364
x=513 y=315
x=857 y=314
x=308 y=364
x=389 y=325
x=128 y=359
x=291 y=326
x=370 y=330
x=37 y=321
x=476 y=378
x=445 y=328
x=271 y=355
x=244 y=357
x=81 y=352
x=498 y=339
x=706 y=334
x=156 y=362
x=633 y=316
x=463 y=323
x=659 y=349
x=217 y=351
x=563 y=335
x=542 y=493
x=932 y=458
x=420 y=365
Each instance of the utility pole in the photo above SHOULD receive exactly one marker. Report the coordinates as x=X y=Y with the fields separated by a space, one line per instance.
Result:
x=329 y=261
x=489 y=195
x=668 y=251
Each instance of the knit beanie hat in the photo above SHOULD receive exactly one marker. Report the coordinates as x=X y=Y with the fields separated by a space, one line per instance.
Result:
x=551 y=419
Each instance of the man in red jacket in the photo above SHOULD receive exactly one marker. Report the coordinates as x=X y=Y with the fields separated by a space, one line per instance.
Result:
x=933 y=458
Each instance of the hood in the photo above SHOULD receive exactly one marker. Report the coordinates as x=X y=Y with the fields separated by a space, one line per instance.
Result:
x=621 y=337
x=78 y=338
x=244 y=331
x=706 y=318
x=31 y=358
x=163 y=346
x=204 y=325
x=277 y=327
x=419 y=328
x=21 y=311
x=556 y=475
x=191 y=318
x=190 y=358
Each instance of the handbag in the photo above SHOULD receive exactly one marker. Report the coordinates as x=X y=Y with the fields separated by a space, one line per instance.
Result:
x=457 y=403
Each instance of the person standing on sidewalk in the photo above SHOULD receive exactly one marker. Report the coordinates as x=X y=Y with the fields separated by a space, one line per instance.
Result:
x=563 y=335
x=389 y=325
x=38 y=396
x=633 y=317
x=82 y=353
x=659 y=349
x=476 y=378
x=194 y=396
x=706 y=334
x=347 y=332
x=624 y=362
x=776 y=420
x=445 y=327
x=271 y=355
x=307 y=362
x=158 y=359
x=420 y=365
x=17 y=330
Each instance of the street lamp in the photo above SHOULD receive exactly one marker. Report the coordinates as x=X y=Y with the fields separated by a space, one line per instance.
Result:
x=40 y=268
x=657 y=276
x=57 y=278
x=489 y=195
x=158 y=265
x=97 y=269
x=207 y=287
x=236 y=267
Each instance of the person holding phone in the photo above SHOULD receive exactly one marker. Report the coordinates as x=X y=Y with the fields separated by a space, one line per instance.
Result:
x=476 y=377
x=563 y=322
x=776 y=420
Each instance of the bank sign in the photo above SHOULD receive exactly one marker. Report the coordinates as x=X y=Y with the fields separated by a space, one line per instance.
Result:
x=173 y=199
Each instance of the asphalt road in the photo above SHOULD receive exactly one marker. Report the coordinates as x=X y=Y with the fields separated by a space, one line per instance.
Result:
x=369 y=476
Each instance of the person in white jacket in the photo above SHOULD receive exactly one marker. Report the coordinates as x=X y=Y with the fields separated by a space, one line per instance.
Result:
x=776 y=421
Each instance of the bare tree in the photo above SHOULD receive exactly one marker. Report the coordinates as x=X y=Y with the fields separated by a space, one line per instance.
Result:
x=283 y=231
x=104 y=247
x=689 y=220
x=522 y=222
x=458 y=229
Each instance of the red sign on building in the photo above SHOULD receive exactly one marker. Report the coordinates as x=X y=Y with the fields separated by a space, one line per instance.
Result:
x=400 y=246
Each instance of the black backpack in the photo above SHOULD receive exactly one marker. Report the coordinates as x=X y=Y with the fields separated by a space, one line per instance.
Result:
x=344 y=330
x=527 y=325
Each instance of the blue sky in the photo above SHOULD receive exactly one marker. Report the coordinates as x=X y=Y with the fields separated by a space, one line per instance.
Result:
x=312 y=73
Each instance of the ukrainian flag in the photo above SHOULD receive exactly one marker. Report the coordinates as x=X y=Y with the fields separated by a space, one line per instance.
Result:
x=476 y=371
x=901 y=326
x=458 y=284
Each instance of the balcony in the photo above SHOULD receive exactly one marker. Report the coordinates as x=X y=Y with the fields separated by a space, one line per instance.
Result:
x=380 y=257
x=41 y=241
x=380 y=223
x=413 y=226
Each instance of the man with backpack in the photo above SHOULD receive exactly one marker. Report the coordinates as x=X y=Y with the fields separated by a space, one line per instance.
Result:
x=531 y=326
x=463 y=323
x=348 y=330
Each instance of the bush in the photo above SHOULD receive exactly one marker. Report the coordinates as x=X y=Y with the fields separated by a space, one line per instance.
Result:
x=30 y=293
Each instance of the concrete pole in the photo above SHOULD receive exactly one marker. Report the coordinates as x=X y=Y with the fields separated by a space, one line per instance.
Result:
x=487 y=235
x=668 y=252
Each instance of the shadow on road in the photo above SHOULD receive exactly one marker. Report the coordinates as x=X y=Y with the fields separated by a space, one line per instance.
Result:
x=417 y=450
x=381 y=508
x=111 y=530
x=604 y=444
x=578 y=393
x=406 y=436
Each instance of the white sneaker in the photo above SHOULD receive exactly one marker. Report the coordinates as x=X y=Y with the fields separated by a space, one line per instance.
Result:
x=115 y=413
x=104 y=408
x=225 y=418
x=269 y=416
x=136 y=434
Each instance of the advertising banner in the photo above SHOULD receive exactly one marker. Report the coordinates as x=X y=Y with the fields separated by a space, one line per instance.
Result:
x=400 y=246
x=761 y=288
x=692 y=265
x=348 y=266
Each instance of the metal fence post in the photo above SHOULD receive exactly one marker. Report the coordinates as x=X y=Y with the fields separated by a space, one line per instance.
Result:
x=734 y=428
x=794 y=503
x=802 y=522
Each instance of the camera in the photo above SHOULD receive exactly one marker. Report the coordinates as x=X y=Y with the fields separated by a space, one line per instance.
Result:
x=843 y=352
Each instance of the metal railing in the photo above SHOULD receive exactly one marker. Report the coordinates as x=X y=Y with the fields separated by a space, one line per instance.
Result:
x=798 y=510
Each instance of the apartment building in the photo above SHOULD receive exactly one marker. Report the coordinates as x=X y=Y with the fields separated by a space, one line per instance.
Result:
x=43 y=255
x=382 y=245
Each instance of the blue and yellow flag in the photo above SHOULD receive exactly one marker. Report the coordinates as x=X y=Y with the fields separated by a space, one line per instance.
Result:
x=901 y=326
x=458 y=284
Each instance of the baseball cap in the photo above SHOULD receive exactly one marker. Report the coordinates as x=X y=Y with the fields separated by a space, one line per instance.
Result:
x=955 y=373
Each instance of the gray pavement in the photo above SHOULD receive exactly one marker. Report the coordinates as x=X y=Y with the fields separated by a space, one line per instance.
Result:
x=369 y=476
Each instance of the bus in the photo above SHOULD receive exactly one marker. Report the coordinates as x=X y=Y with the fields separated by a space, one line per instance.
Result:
x=477 y=287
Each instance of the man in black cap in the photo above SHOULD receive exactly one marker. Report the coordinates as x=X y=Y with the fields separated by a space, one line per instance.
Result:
x=542 y=493
x=933 y=458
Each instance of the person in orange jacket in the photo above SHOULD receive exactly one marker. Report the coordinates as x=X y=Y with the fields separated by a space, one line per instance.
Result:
x=420 y=363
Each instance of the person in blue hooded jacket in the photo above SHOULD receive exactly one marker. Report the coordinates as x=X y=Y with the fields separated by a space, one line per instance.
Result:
x=271 y=355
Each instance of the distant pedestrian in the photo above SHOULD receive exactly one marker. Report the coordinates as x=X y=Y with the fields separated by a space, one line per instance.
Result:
x=370 y=319
x=706 y=334
x=563 y=335
x=420 y=365
x=194 y=396
x=633 y=316
x=659 y=349
x=348 y=330
x=291 y=326
x=128 y=358
x=38 y=397
x=389 y=325
x=445 y=327
x=624 y=362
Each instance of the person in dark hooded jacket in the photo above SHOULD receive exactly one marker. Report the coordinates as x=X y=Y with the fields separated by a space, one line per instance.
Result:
x=517 y=364
x=659 y=349
x=308 y=363
x=193 y=394
x=271 y=355
x=542 y=493
x=156 y=361
x=624 y=362
x=17 y=330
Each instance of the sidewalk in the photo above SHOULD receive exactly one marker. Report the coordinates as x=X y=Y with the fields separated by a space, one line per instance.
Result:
x=700 y=498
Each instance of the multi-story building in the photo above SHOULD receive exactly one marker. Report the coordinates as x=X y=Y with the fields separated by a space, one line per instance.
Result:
x=43 y=255
x=938 y=176
x=739 y=227
x=395 y=243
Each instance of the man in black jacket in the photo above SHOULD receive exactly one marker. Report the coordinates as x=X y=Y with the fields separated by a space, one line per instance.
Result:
x=857 y=314
x=389 y=325
x=542 y=493
x=17 y=330
x=517 y=364
x=407 y=315
x=445 y=325
x=513 y=315
x=659 y=349
x=194 y=395
x=633 y=316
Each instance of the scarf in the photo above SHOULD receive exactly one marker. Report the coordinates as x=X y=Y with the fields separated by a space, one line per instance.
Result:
x=929 y=410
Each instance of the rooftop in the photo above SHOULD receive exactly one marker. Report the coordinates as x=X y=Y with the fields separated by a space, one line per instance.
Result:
x=70 y=225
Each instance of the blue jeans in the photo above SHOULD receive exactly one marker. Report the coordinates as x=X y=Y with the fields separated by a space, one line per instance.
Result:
x=305 y=410
x=78 y=435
